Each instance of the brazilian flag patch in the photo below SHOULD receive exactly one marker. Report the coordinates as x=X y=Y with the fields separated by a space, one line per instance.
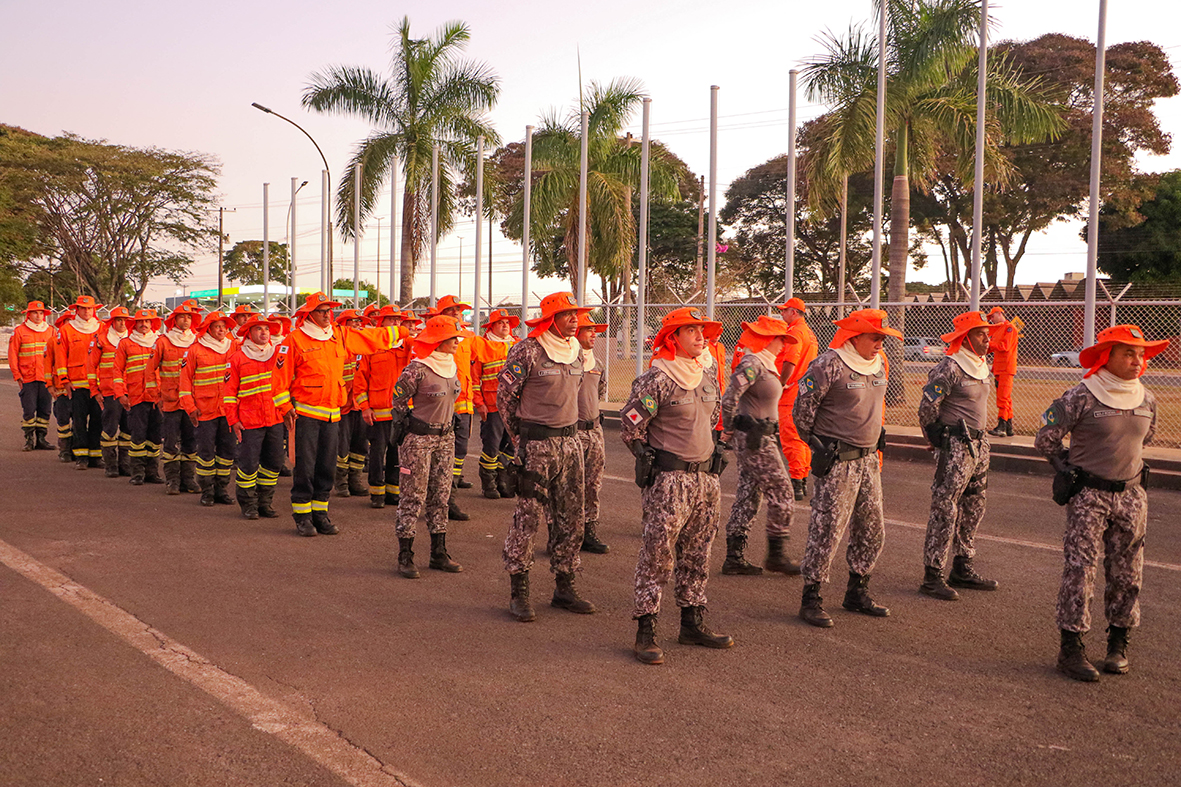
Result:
x=649 y=404
x=515 y=371
x=807 y=385
x=751 y=374
x=399 y=390
x=1054 y=415
x=935 y=391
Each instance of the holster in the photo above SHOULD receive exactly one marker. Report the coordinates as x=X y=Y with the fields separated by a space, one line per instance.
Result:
x=1067 y=483
x=882 y=440
x=718 y=461
x=755 y=428
x=1144 y=476
x=531 y=485
x=398 y=427
x=823 y=457
x=645 y=466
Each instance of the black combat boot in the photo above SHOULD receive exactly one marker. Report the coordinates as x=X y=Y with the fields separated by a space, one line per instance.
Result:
x=519 y=605
x=406 y=558
x=964 y=576
x=285 y=470
x=172 y=478
x=1009 y=427
x=506 y=483
x=82 y=464
x=111 y=461
x=124 y=461
x=42 y=444
x=188 y=477
x=341 y=485
x=453 y=511
x=488 y=484
x=736 y=562
x=220 y=484
x=934 y=586
x=440 y=560
x=152 y=470
x=566 y=596
x=357 y=485
x=65 y=453
x=695 y=632
x=248 y=501
x=303 y=525
x=323 y=524
x=857 y=598
x=30 y=439
x=999 y=430
x=777 y=559
x=799 y=488
x=266 y=494
x=590 y=539
x=811 y=609
x=137 y=471
x=206 y=482
x=646 y=649
x=1072 y=658
x=1116 y=662
x=377 y=501
x=392 y=498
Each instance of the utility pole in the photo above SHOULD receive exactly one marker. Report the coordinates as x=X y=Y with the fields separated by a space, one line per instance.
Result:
x=460 y=293
x=221 y=251
x=700 y=231
x=377 y=294
x=489 y=262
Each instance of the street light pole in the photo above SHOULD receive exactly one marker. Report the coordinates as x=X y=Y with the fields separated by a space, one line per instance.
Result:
x=460 y=293
x=221 y=251
x=291 y=244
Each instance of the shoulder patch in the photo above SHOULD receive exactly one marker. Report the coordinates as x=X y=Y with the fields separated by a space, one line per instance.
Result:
x=633 y=415
x=751 y=374
x=279 y=362
x=514 y=371
x=807 y=383
x=399 y=390
x=283 y=349
x=1054 y=415
x=649 y=404
x=935 y=390
x=184 y=359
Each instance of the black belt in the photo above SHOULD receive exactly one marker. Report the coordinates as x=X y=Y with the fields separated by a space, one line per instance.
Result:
x=531 y=431
x=1105 y=485
x=666 y=461
x=586 y=426
x=844 y=451
x=418 y=426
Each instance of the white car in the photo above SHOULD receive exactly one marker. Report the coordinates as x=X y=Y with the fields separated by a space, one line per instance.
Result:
x=1066 y=358
x=922 y=348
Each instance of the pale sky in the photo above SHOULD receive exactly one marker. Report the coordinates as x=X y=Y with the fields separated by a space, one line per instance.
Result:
x=183 y=76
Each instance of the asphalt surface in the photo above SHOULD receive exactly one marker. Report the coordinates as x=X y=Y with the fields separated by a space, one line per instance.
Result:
x=434 y=680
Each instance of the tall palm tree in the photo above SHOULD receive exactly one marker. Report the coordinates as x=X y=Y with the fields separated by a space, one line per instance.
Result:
x=430 y=98
x=613 y=174
x=931 y=66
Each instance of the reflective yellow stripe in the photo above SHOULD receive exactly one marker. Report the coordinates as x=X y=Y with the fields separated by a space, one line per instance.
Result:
x=301 y=508
x=282 y=398
x=254 y=378
x=244 y=392
x=319 y=505
x=383 y=415
x=320 y=413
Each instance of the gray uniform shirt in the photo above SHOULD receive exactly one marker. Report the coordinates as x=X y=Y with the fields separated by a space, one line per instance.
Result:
x=671 y=418
x=754 y=390
x=1104 y=441
x=434 y=396
x=950 y=394
x=835 y=401
x=531 y=387
x=590 y=392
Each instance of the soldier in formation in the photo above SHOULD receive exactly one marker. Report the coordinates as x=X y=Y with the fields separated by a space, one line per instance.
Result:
x=137 y=391
x=72 y=358
x=62 y=405
x=354 y=433
x=250 y=411
x=115 y=441
x=202 y=378
x=373 y=392
x=450 y=306
x=590 y=432
x=31 y=360
x=179 y=449
x=496 y=448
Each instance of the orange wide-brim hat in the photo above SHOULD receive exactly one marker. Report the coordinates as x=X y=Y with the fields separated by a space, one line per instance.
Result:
x=86 y=302
x=279 y=324
x=243 y=330
x=584 y=321
x=149 y=315
x=964 y=323
x=116 y=313
x=496 y=315
x=793 y=303
x=215 y=317
x=35 y=306
x=410 y=317
x=662 y=343
x=438 y=329
x=315 y=301
x=448 y=302
x=188 y=307
x=551 y=306
x=995 y=310
x=245 y=308
x=862 y=321
x=348 y=314
x=1095 y=357
x=66 y=315
x=375 y=314
x=758 y=334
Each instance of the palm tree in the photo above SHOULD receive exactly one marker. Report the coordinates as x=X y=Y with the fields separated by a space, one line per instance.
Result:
x=613 y=173
x=430 y=98
x=930 y=109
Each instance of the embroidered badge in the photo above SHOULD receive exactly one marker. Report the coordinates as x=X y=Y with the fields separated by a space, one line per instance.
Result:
x=282 y=349
x=279 y=362
x=751 y=374
x=807 y=385
x=399 y=390
x=228 y=374
x=1052 y=416
x=634 y=416
x=649 y=404
x=1136 y=333
x=934 y=391
x=695 y=314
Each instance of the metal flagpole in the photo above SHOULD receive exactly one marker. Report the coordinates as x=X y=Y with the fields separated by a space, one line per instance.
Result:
x=712 y=248
x=580 y=285
x=324 y=231
x=978 y=180
x=266 y=248
x=526 y=206
x=879 y=152
x=357 y=236
x=844 y=245
x=434 y=218
x=789 y=266
x=642 y=244
x=1096 y=160
x=291 y=250
x=479 y=230
x=393 y=229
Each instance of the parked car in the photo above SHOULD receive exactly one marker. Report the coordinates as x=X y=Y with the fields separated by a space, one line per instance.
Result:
x=922 y=348
x=1066 y=358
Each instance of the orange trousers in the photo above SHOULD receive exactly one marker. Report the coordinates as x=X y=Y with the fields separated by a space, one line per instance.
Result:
x=1004 y=396
x=795 y=450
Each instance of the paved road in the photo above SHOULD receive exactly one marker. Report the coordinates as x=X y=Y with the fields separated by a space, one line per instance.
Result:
x=272 y=659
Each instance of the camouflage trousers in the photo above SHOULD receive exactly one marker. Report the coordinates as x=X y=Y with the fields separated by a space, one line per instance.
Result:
x=761 y=472
x=681 y=515
x=957 y=501
x=1118 y=520
x=425 y=480
x=850 y=496
x=550 y=488
x=594 y=458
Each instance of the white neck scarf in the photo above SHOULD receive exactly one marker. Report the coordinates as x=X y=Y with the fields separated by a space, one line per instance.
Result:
x=40 y=327
x=685 y=372
x=766 y=358
x=442 y=364
x=854 y=361
x=502 y=339
x=85 y=326
x=222 y=347
x=181 y=339
x=258 y=352
x=146 y=340
x=276 y=341
x=706 y=359
x=1115 y=391
x=558 y=349
x=315 y=331
x=973 y=365
x=588 y=360
x=114 y=337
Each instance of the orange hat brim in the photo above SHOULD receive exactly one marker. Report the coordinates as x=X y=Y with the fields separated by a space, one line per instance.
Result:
x=1089 y=357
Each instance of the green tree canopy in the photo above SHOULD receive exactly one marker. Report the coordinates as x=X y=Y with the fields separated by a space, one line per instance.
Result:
x=243 y=262
x=1150 y=250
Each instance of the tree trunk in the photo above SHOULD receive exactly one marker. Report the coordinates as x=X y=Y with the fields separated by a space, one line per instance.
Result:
x=407 y=261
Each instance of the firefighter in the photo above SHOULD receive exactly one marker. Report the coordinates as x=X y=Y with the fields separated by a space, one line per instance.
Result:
x=373 y=392
x=242 y=314
x=62 y=406
x=793 y=363
x=249 y=405
x=202 y=377
x=137 y=390
x=72 y=358
x=116 y=440
x=354 y=439
x=31 y=361
x=179 y=449
x=488 y=354
x=1003 y=346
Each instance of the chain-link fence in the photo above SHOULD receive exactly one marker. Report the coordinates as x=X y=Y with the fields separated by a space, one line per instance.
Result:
x=1051 y=335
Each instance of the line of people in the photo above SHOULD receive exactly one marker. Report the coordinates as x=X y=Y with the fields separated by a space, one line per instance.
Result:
x=383 y=388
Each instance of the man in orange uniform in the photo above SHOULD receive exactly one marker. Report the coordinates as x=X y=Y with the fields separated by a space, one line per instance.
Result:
x=72 y=358
x=308 y=384
x=202 y=377
x=1003 y=346
x=30 y=358
x=373 y=392
x=450 y=306
x=62 y=406
x=242 y=314
x=488 y=354
x=179 y=450
x=116 y=440
x=137 y=391
x=354 y=438
x=249 y=405
x=793 y=365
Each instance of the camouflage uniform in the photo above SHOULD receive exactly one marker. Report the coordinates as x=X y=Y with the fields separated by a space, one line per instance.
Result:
x=425 y=459
x=681 y=509
x=1107 y=443
x=551 y=478
x=961 y=480
x=850 y=495
x=759 y=471
x=593 y=449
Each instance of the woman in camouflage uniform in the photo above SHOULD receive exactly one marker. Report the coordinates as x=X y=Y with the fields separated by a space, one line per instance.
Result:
x=1110 y=416
x=667 y=424
x=750 y=407
x=590 y=431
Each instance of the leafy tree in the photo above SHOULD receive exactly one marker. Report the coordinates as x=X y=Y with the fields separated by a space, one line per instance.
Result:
x=369 y=293
x=1149 y=251
x=430 y=98
x=57 y=286
x=243 y=263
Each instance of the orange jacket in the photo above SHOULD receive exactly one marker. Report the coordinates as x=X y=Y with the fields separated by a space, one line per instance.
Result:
x=202 y=377
x=1004 y=351
x=350 y=372
x=309 y=373
x=101 y=363
x=30 y=355
x=487 y=361
x=135 y=372
x=247 y=396
x=72 y=356
x=373 y=385
x=718 y=351
x=168 y=373
x=463 y=360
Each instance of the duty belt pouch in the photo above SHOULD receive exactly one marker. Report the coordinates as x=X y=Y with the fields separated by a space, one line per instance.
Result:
x=1067 y=484
x=1144 y=472
x=718 y=461
x=754 y=440
x=823 y=457
x=882 y=440
x=645 y=467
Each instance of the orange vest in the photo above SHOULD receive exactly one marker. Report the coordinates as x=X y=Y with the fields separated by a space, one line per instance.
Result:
x=72 y=355
x=309 y=373
x=202 y=377
x=101 y=365
x=373 y=385
x=30 y=354
x=247 y=396
x=135 y=372
x=487 y=361
x=1004 y=351
x=463 y=362
x=168 y=373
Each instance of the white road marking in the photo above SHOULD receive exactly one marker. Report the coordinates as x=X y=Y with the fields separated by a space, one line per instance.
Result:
x=318 y=741
x=923 y=526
